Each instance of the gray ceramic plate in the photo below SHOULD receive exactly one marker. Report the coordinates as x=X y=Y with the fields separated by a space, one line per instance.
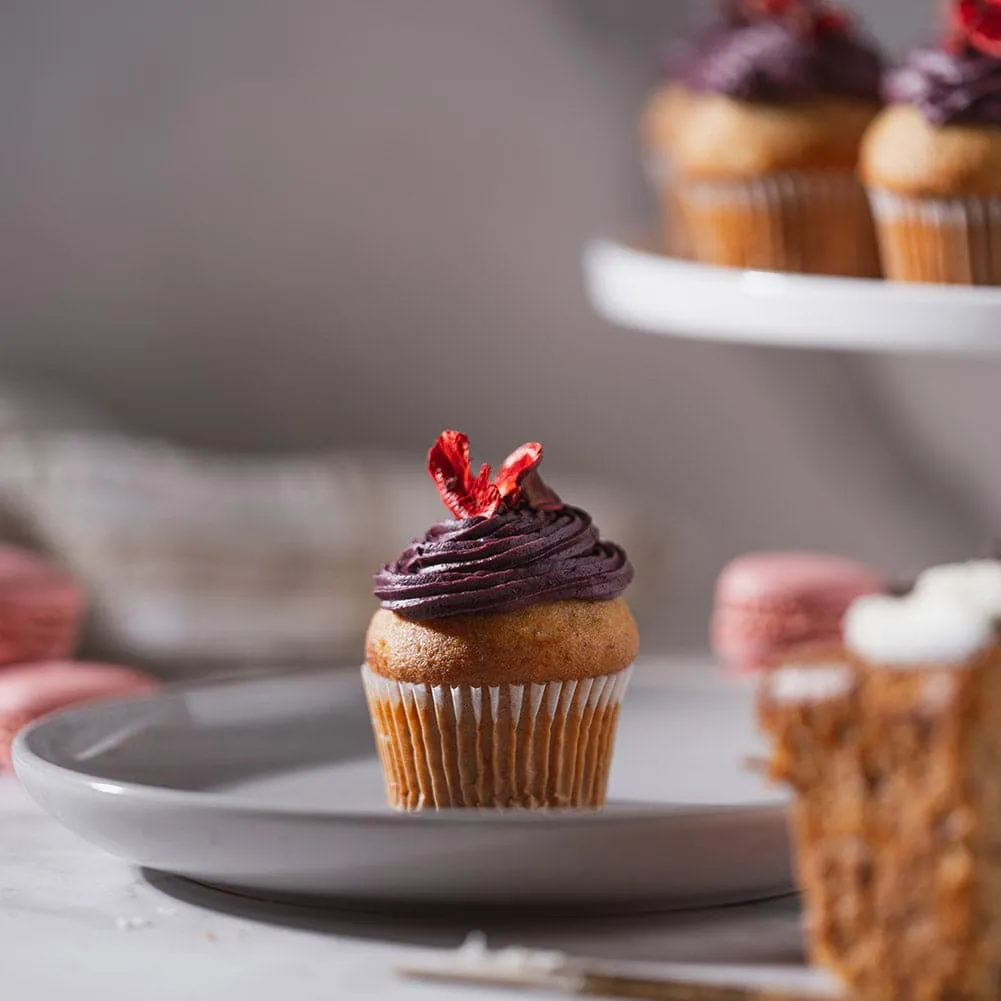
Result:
x=270 y=786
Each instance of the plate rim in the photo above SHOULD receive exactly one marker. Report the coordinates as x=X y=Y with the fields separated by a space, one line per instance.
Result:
x=31 y=765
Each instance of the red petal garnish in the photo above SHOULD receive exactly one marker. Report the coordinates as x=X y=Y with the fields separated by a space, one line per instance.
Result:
x=978 y=23
x=519 y=481
x=463 y=494
x=517 y=484
x=516 y=465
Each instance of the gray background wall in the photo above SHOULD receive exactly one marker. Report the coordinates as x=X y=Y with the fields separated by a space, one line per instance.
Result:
x=307 y=224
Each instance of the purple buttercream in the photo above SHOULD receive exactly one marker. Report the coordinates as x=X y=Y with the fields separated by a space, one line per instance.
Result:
x=509 y=561
x=775 y=60
x=949 y=87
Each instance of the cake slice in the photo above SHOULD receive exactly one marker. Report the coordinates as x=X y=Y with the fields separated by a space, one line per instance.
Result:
x=807 y=704
x=896 y=766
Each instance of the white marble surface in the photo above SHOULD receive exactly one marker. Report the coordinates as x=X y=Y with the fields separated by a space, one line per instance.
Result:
x=77 y=923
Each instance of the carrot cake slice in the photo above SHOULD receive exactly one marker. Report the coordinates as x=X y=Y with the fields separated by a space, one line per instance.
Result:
x=893 y=749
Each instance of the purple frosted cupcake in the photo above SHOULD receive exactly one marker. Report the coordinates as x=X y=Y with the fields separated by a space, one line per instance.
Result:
x=495 y=667
x=779 y=98
x=932 y=160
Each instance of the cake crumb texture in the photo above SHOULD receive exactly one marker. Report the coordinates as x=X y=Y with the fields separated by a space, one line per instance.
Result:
x=897 y=824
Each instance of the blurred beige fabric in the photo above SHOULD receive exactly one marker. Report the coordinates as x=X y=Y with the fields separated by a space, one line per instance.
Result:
x=246 y=225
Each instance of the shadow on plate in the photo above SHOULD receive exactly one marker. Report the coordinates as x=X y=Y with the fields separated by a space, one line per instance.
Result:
x=767 y=932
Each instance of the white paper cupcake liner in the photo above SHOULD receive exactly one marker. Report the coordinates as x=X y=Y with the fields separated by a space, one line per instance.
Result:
x=950 y=240
x=816 y=222
x=500 y=746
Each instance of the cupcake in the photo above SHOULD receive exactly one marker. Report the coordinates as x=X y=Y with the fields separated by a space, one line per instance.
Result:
x=497 y=663
x=932 y=160
x=766 y=156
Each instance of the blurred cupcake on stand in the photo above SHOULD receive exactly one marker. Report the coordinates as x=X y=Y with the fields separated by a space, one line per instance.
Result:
x=775 y=100
x=932 y=160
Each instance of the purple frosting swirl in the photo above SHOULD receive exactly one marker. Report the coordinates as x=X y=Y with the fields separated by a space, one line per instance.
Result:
x=773 y=60
x=949 y=87
x=503 y=563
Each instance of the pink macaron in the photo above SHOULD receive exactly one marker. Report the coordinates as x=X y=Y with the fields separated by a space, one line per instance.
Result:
x=769 y=603
x=41 y=608
x=30 y=691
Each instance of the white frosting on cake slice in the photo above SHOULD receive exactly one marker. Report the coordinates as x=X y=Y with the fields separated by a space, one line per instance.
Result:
x=976 y=583
x=951 y=614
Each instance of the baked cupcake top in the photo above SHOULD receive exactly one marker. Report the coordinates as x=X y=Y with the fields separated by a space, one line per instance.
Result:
x=958 y=81
x=512 y=544
x=780 y=51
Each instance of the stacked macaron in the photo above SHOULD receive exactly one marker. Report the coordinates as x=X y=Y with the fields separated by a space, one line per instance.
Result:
x=41 y=611
x=768 y=604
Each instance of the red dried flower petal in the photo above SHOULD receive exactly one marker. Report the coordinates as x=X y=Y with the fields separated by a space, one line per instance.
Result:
x=518 y=482
x=978 y=22
x=485 y=498
x=448 y=464
x=515 y=466
x=464 y=495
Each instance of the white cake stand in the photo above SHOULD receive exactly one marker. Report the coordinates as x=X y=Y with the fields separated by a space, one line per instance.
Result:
x=633 y=286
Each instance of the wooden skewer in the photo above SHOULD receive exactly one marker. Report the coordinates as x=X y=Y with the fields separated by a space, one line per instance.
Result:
x=522 y=969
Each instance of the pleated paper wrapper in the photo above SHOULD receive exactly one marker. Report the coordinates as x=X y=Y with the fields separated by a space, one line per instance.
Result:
x=502 y=746
x=812 y=222
x=954 y=241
